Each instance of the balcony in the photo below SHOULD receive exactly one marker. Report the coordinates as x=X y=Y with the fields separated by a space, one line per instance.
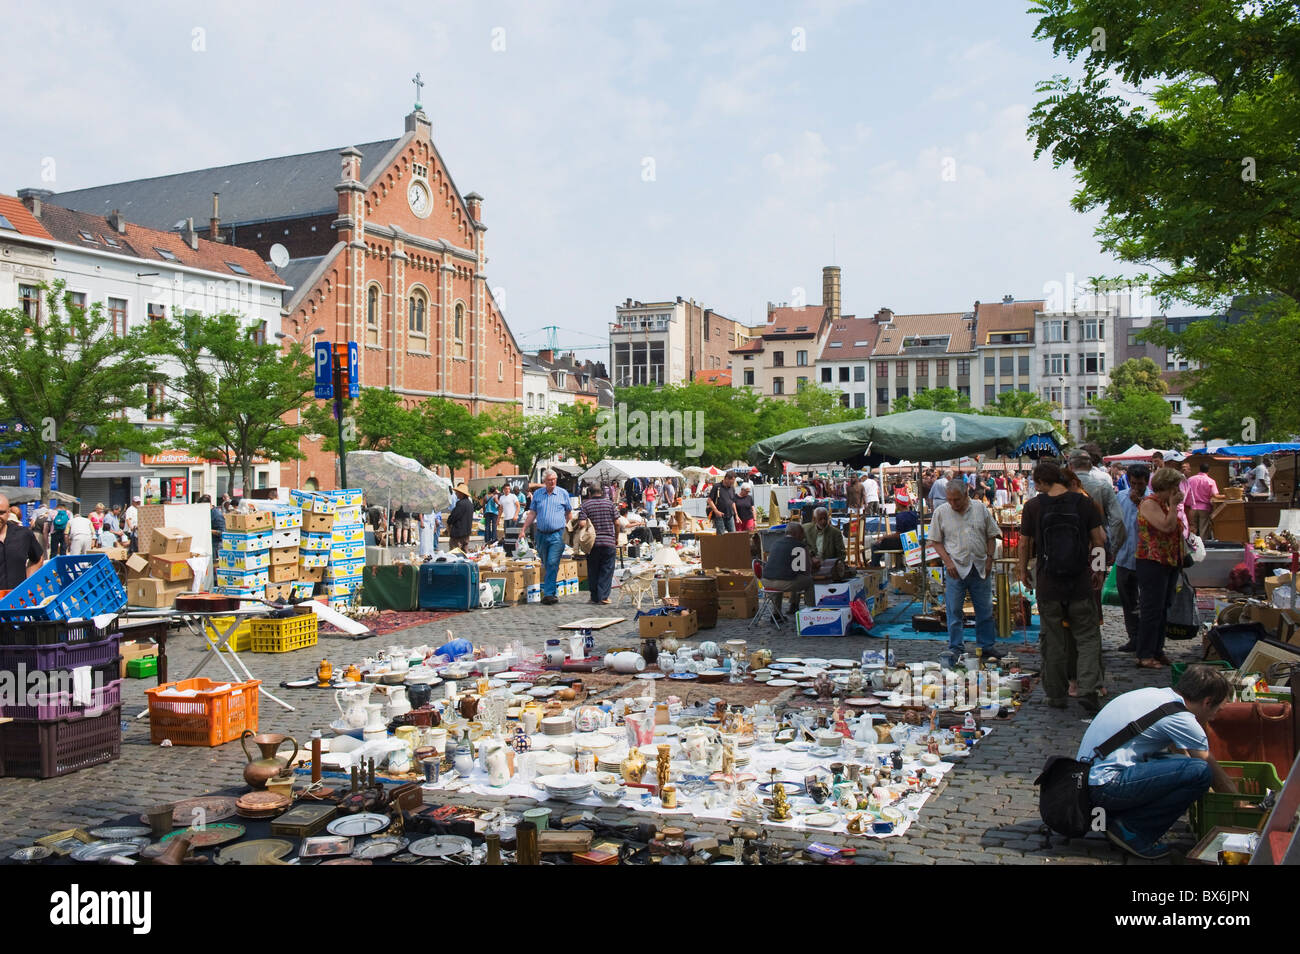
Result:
x=637 y=327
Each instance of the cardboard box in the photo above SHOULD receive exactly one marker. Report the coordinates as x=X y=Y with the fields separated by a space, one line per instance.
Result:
x=284 y=517
x=117 y=554
x=355 y=534
x=830 y=621
x=313 y=502
x=313 y=522
x=684 y=624
x=284 y=555
x=170 y=567
x=152 y=593
x=582 y=568
x=346 y=498
x=738 y=606
x=1272 y=582
x=252 y=542
x=254 y=594
x=312 y=558
x=279 y=592
x=137 y=566
x=282 y=572
x=347 y=551
x=533 y=593
x=839 y=594
x=170 y=540
x=337 y=591
x=242 y=562
x=291 y=537
x=568 y=569
x=252 y=580
x=874 y=580
x=514 y=583
x=315 y=542
x=727 y=551
x=248 y=522
x=302 y=590
x=135 y=649
x=347 y=570
x=311 y=574
x=908 y=583
x=532 y=573
x=730 y=580
x=347 y=515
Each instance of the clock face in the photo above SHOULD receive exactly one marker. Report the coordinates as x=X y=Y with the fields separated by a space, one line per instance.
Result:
x=418 y=197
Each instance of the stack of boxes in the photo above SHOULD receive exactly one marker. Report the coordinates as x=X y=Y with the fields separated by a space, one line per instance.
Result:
x=157 y=579
x=260 y=553
x=333 y=547
x=284 y=577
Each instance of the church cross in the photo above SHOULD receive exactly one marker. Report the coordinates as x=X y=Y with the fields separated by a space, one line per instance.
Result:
x=419 y=86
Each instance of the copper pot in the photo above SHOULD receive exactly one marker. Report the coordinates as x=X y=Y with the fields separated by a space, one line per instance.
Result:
x=260 y=771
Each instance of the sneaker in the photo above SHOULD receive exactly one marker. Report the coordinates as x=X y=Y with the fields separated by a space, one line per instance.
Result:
x=948 y=659
x=1089 y=704
x=550 y=600
x=1122 y=838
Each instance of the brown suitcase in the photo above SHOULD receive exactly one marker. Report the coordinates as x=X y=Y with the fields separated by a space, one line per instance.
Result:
x=1255 y=732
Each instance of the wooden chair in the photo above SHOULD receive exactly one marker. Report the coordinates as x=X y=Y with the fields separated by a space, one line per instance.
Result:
x=855 y=550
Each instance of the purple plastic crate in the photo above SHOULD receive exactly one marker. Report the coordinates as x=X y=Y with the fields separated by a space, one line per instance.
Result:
x=66 y=587
x=60 y=746
x=57 y=631
x=59 y=655
x=48 y=695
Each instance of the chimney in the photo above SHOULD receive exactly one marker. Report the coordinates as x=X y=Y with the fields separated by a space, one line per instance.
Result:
x=33 y=198
x=547 y=355
x=884 y=315
x=116 y=222
x=831 y=291
x=475 y=203
x=214 y=223
x=189 y=236
x=1008 y=299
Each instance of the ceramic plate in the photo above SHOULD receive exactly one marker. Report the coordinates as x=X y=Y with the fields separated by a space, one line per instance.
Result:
x=799 y=747
x=440 y=846
x=300 y=683
x=821 y=819
x=781 y=667
x=542 y=692
x=366 y=823
x=121 y=832
x=861 y=701
x=890 y=704
x=683 y=675
x=649 y=675
x=102 y=850
x=815 y=661
x=790 y=660
x=380 y=848
x=781 y=683
x=30 y=854
x=209 y=835
x=260 y=851
x=843 y=663
x=793 y=789
x=822 y=752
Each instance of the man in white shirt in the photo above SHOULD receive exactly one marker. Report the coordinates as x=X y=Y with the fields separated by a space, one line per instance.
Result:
x=509 y=508
x=1260 y=486
x=131 y=522
x=939 y=490
x=871 y=493
x=81 y=533
x=965 y=536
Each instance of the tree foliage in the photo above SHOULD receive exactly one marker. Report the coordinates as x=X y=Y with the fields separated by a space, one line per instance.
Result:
x=437 y=432
x=1022 y=404
x=1125 y=418
x=933 y=399
x=1138 y=374
x=67 y=381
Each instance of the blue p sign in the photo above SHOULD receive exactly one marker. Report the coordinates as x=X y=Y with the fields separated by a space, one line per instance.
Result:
x=324 y=371
x=354 y=386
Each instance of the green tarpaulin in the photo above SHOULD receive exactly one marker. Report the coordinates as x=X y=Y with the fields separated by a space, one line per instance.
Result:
x=911 y=435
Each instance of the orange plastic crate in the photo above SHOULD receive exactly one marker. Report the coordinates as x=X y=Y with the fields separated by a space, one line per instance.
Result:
x=206 y=718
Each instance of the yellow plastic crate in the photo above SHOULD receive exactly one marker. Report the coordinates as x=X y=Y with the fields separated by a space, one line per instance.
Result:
x=240 y=639
x=284 y=635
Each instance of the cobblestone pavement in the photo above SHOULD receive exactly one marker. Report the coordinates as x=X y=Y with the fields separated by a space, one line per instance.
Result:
x=986 y=814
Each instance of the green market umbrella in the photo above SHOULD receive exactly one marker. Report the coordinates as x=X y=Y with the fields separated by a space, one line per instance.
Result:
x=392 y=478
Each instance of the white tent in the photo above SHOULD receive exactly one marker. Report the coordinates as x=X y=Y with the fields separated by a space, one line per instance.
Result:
x=608 y=470
x=1140 y=453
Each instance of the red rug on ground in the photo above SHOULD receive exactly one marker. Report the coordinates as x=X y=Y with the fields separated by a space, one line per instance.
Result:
x=390 y=621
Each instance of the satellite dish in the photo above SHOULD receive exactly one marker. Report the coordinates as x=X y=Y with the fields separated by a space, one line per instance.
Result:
x=279 y=255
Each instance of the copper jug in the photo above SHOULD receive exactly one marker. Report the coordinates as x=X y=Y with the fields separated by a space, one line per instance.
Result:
x=259 y=771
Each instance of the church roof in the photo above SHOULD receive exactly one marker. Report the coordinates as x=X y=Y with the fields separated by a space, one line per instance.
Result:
x=268 y=189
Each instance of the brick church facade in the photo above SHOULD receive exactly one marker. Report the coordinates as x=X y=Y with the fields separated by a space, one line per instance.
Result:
x=383 y=249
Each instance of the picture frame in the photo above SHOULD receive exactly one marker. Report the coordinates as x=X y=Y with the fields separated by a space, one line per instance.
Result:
x=1206 y=851
x=325 y=846
x=62 y=842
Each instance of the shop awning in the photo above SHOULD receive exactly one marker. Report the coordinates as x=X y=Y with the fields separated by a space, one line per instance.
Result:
x=609 y=469
x=98 y=470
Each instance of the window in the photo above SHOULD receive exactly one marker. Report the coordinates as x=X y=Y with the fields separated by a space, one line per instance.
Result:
x=844 y=399
x=1132 y=339
x=1022 y=365
x=826 y=375
x=372 y=315
x=1005 y=386
x=963 y=367
x=836 y=344
x=1182 y=365
x=528 y=399
x=1090 y=394
x=1176 y=406
x=989 y=393
x=778 y=359
x=166 y=255
x=6 y=224
x=501 y=370
x=844 y=374
x=108 y=240
x=1006 y=365
x=860 y=399
x=801 y=358
x=1057 y=364
x=941 y=368
x=778 y=385
x=882 y=370
x=156 y=311
x=882 y=399
x=85 y=236
x=1092 y=329
x=900 y=369
x=29 y=300
x=1056 y=330
x=1052 y=394
x=541 y=402
x=154 y=397
x=900 y=393
x=74 y=300
x=416 y=313
x=1066 y=402
x=117 y=315
x=922 y=370
x=1092 y=362
x=458 y=332
x=749 y=377
x=800 y=383
x=860 y=373
x=988 y=366
x=237 y=268
x=964 y=390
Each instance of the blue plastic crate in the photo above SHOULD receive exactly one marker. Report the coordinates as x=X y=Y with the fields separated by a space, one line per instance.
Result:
x=66 y=587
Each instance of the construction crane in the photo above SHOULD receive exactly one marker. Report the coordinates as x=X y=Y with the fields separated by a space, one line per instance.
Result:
x=552 y=342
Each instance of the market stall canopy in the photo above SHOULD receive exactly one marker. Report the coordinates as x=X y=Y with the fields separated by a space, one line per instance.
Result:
x=911 y=435
x=24 y=495
x=608 y=470
x=391 y=478
x=1138 y=452
x=1251 y=450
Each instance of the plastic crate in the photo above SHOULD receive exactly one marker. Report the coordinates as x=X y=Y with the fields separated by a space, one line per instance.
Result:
x=1177 y=669
x=239 y=640
x=49 y=696
x=59 y=655
x=1217 y=808
x=66 y=587
x=208 y=718
x=60 y=746
x=59 y=631
x=285 y=634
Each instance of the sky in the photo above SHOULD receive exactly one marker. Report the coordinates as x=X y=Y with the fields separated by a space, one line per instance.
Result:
x=720 y=151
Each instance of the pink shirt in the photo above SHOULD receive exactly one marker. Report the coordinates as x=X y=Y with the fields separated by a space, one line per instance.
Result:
x=1200 y=488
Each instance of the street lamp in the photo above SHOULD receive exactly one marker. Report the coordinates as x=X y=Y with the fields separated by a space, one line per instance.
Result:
x=282 y=336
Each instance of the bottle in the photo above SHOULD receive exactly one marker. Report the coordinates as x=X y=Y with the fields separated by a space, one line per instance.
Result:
x=315 y=755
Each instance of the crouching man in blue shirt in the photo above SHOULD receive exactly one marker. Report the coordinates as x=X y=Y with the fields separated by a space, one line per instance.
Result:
x=1147 y=784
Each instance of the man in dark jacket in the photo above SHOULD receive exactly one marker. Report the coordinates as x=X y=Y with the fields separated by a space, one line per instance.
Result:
x=21 y=553
x=461 y=521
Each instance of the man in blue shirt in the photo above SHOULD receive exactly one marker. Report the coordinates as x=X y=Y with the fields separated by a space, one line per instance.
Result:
x=1146 y=784
x=1138 y=476
x=549 y=509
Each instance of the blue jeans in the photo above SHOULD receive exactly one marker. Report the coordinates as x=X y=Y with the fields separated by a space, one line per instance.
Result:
x=489 y=529
x=550 y=547
x=1150 y=796
x=981 y=594
x=600 y=572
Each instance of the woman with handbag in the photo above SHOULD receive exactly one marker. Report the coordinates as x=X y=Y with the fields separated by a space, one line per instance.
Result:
x=1159 y=563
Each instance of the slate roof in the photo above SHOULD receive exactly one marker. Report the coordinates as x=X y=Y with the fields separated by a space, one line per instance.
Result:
x=296 y=273
x=267 y=189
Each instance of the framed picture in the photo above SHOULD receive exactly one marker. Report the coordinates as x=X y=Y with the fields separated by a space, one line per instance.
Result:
x=1207 y=849
x=324 y=846
x=62 y=842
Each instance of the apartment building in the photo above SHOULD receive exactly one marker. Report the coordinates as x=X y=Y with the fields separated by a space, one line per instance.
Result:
x=914 y=353
x=780 y=356
x=670 y=342
x=1004 y=343
x=845 y=360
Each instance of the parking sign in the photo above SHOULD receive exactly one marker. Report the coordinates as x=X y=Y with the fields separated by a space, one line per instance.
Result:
x=354 y=386
x=324 y=370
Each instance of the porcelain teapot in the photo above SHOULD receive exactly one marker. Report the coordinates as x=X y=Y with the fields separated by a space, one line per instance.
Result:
x=351 y=703
x=698 y=742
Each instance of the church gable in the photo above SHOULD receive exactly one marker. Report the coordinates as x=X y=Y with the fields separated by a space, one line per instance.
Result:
x=416 y=193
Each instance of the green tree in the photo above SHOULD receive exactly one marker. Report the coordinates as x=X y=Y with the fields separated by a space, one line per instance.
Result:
x=573 y=430
x=67 y=381
x=437 y=432
x=523 y=440
x=1138 y=374
x=933 y=399
x=233 y=391
x=1022 y=404
x=1135 y=417
x=823 y=405
x=1182 y=129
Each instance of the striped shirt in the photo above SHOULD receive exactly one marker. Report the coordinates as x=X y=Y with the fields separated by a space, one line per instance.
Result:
x=552 y=509
x=600 y=513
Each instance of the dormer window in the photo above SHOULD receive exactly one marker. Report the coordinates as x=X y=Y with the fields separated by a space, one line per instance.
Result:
x=166 y=255
x=85 y=236
x=237 y=268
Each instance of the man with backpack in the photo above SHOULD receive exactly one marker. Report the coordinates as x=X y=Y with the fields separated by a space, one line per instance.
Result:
x=59 y=530
x=1062 y=531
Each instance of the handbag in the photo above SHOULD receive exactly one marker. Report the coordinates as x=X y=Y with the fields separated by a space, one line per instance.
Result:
x=1064 y=803
x=1183 y=620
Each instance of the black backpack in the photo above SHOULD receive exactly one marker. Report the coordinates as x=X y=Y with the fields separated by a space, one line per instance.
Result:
x=1062 y=542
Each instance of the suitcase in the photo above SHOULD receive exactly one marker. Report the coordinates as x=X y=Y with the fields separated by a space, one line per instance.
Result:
x=449 y=586
x=1254 y=732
